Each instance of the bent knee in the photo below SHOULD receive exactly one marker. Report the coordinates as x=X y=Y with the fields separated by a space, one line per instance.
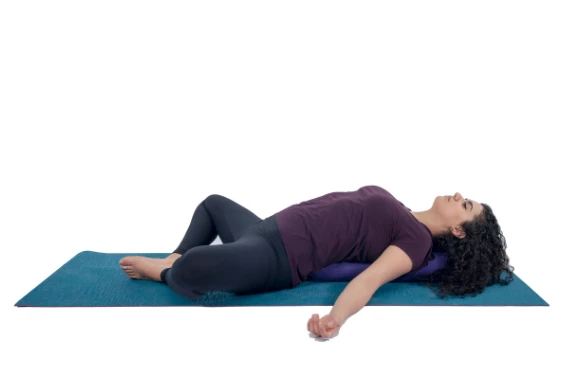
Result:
x=214 y=199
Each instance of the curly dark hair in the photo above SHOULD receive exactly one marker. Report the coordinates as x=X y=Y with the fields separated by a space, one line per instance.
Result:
x=474 y=262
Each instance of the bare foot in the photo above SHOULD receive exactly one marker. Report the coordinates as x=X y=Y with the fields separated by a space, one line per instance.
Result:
x=144 y=268
x=167 y=261
x=173 y=257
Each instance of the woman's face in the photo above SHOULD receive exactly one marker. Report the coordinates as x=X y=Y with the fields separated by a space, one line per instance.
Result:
x=454 y=210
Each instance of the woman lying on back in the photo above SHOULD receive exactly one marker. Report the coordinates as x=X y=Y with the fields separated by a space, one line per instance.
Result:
x=368 y=225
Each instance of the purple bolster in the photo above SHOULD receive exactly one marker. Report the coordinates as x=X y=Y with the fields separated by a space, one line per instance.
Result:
x=346 y=271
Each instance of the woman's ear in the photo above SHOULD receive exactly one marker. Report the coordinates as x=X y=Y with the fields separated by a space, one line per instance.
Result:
x=458 y=232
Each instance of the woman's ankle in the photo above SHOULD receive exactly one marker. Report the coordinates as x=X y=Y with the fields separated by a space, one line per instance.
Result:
x=173 y=257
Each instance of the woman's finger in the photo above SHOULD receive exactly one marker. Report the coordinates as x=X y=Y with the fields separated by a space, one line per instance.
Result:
x=310 y=325
x=323 y=331
x=318 y=332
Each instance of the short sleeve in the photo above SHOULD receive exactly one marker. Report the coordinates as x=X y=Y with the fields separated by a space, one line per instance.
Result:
x=415 y=244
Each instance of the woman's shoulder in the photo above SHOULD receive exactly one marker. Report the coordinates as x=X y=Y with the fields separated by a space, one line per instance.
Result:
x=374 y=189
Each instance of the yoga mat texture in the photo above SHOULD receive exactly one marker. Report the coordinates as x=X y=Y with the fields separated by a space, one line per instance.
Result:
x=94 y=279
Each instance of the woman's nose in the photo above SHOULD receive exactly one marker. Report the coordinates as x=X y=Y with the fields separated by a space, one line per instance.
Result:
x=457 y=196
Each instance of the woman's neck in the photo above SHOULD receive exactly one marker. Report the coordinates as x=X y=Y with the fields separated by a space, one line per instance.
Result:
x=429 y=220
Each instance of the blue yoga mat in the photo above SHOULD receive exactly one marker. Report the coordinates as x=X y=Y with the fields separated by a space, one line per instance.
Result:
x=94 y=279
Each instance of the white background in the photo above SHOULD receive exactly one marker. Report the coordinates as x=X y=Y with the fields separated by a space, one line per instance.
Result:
x=119 y=117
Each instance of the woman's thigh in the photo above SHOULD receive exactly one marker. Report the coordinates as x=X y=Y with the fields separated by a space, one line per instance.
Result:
x=231 y=219
x=244 y=266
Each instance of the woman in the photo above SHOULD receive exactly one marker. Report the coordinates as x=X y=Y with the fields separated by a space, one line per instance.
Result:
x=368 y=225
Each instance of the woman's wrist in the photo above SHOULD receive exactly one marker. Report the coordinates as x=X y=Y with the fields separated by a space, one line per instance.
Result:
x=338 y=317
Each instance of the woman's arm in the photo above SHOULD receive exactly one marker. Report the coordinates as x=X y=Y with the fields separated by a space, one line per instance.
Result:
x=355 y=296
x=391 y=264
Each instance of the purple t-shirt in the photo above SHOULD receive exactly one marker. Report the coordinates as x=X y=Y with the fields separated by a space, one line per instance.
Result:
x=355 y=226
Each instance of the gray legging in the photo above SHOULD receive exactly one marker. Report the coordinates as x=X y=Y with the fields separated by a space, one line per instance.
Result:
x=251 y=258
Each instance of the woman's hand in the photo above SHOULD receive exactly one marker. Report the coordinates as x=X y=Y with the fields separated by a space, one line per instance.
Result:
x=325 y=327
